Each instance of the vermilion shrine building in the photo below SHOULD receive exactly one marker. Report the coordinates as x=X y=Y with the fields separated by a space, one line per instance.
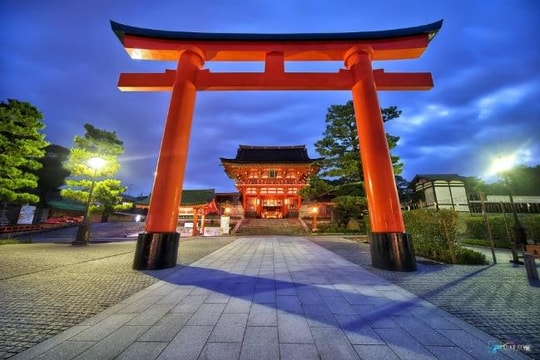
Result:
x=270 y=177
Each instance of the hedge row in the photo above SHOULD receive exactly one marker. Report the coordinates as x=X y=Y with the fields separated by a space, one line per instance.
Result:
x=434 y=235
x=501 y=228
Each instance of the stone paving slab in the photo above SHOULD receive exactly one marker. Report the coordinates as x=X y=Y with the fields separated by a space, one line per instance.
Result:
x=251 y=300
x=496 y=298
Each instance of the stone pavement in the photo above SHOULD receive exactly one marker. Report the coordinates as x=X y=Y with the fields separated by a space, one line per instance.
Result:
x=271 y=298
x=45 y=288
x=498 y=299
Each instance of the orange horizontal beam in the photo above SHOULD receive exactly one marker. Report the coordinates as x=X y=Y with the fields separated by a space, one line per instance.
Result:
x=209 y=81
x=382 y=49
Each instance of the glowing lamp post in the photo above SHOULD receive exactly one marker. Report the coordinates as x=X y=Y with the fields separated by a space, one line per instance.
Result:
x=314 y=212
x=83 y=233
x=501 y=166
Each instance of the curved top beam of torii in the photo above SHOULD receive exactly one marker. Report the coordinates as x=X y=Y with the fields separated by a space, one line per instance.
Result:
x=151 y=44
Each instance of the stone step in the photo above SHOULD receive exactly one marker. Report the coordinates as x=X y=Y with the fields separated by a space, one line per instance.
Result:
x=271 y=227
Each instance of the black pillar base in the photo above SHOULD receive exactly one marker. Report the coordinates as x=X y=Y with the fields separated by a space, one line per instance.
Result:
x=156 y=251
x=392 y=251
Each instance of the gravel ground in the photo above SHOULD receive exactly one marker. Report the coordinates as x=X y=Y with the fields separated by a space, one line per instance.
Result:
x=46 y=288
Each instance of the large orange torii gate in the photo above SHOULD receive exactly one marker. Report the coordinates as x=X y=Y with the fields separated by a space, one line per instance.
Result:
x=391 y=247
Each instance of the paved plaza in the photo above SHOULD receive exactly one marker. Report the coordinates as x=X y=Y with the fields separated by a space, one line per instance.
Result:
x=253 y=298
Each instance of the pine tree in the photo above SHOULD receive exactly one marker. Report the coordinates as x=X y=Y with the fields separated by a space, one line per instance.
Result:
x=340 y=147
x=106 y=195
x=21 y=147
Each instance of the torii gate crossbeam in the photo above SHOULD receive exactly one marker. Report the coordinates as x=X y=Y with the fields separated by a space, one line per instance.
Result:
x=391 y=246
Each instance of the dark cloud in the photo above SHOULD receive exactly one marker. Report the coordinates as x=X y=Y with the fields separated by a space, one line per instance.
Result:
x=62 y=57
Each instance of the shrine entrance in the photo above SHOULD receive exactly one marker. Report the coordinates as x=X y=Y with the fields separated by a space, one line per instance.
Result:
x=270 y=178
x=391 y=247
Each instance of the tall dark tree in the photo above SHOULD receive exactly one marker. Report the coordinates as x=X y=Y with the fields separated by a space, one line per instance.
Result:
x=21 y=148
x=105 y=145
x=522 y=180
x=52 y=175
x=340 y=147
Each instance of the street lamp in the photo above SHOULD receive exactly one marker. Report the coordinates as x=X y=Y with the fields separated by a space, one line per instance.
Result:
x=314 y=212
x=501 y=166
x=83 y=232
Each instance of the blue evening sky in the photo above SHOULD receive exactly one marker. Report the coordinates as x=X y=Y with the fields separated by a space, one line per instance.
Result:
x=61 y=56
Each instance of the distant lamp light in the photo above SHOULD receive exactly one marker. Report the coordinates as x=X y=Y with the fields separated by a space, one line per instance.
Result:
x=314 y=213
x=227 y=210
x=96 y=163
x=138 y=218
x=501 y=166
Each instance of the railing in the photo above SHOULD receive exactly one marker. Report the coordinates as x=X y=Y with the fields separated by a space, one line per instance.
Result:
x=19 y=228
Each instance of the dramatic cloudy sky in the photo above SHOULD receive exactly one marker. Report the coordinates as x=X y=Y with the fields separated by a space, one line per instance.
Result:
x=61 y=56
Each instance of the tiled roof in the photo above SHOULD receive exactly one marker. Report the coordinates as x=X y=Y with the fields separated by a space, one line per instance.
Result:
x=63 y=204
x=271 y=154
x=189 y=197
x=433 y=177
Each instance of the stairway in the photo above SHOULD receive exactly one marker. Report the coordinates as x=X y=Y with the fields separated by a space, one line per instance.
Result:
x=271 y=227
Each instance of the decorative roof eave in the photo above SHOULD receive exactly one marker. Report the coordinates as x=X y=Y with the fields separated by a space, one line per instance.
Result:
x=268 y=162
x=436 y=177
x=150 y=44
x=122 y=30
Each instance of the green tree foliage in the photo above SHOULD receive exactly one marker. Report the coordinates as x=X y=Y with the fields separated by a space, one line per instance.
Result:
x=341 y=170
x=522 y=180
x=106 y=196
x=340 y=148
x=21 y=148
x=316 y=187
x=52 y=175
x=349 y=207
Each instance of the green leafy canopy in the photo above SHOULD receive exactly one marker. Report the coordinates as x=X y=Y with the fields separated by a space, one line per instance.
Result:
x=106 y=197
x=21 y=148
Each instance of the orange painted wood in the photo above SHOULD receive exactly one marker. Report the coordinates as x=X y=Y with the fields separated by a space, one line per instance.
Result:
x=383 y=200
x=167 y=188
x=342 y=80
x=409 y=47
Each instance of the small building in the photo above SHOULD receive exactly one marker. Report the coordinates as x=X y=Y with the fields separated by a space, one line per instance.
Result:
x=270 y=177
x=440 y=191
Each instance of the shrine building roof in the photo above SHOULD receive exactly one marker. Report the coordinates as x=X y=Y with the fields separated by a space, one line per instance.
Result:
x=271 y=155
x=420 y=178
x=189 y=197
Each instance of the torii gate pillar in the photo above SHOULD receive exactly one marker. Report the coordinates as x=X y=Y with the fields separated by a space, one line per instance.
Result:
x=157 y=247
x=391 y=247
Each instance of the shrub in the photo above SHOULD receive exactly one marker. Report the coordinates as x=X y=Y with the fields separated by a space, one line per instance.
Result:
x=336 y=229
x=477 y=229
x=434 y=234
x=470 y=257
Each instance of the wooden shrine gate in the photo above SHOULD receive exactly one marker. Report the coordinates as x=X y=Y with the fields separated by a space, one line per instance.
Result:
x=391 y=246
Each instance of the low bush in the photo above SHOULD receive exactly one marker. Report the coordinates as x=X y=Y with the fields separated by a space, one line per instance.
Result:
x=434 y=235
x=502 y=227
x=503 y=244
x=470 y=257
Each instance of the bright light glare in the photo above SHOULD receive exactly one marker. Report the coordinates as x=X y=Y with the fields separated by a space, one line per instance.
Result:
x=96 y=163
x=503 y=163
